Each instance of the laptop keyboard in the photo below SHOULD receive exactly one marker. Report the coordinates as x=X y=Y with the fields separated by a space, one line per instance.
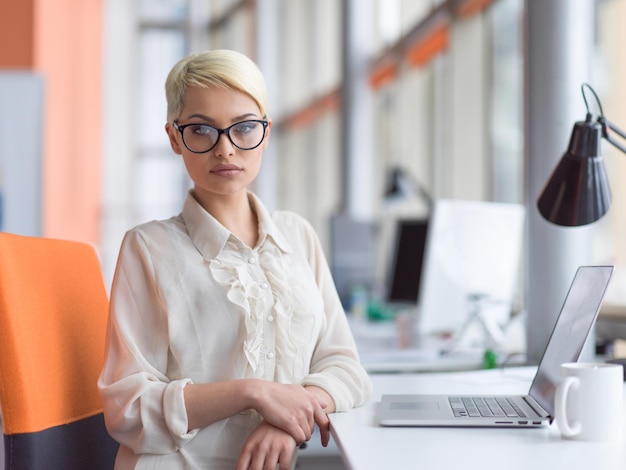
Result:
x=485 y=406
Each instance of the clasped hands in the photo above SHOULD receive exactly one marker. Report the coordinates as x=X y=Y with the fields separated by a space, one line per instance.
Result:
x=290 y=413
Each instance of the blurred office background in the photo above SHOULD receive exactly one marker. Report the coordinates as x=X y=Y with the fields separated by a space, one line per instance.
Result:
x=358 y=89
x=463 y=96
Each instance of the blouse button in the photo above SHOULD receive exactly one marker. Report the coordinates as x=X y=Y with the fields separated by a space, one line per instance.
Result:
x=264 y=285
x=251 y=260
x=270 y=318
x=270 y=355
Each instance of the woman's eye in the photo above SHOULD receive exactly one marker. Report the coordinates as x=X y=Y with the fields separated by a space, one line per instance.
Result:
x=201 y=130
x=245 y=127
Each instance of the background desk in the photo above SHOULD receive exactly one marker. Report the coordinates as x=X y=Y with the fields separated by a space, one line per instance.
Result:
x=611 y=323
x=364 y=445
x=379 y=351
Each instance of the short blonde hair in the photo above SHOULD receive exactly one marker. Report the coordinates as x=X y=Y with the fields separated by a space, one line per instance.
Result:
x=219 y=67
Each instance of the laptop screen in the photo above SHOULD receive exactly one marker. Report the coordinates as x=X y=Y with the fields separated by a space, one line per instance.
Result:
x=577 y=316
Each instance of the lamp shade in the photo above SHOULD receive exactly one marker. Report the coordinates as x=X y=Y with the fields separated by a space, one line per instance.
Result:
x=395 y=187
x=578 y=191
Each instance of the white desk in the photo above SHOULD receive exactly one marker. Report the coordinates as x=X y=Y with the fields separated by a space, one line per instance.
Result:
x=408 y=360
x=377 y=343
x=364 y=445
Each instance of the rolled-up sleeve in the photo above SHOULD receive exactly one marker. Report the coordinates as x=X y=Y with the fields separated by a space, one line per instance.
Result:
x=144 y=410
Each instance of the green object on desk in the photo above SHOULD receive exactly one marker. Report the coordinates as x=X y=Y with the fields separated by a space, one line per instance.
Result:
x=490 y=360
x=377 y=312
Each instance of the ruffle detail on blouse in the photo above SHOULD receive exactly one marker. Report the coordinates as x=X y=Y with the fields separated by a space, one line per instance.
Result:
x=293 y=312
x=293 y=309
x=244 y=292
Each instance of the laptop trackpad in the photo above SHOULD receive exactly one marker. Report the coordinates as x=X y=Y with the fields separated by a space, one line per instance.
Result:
x=410 y=410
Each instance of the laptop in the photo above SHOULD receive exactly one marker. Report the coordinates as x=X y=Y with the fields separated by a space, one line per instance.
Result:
x=577 y=316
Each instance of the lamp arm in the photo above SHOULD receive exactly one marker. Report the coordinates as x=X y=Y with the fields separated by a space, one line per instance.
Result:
x=606 y=125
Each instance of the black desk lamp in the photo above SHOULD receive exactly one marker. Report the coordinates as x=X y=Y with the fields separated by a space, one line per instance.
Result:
x=402 y=185
x=578 y=191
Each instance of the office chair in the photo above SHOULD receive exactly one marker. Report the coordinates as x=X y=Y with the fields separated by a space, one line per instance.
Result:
x=53 y=313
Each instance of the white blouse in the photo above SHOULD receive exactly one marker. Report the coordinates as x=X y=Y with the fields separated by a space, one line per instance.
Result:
x=190 y=303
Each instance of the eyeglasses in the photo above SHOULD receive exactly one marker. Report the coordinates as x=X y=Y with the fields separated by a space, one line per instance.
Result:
x=200 y=138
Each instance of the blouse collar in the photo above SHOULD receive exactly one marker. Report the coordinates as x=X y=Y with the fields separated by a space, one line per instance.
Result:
x=210 y=236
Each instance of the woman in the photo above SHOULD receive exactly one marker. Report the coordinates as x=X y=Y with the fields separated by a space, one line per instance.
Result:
x=227 y=342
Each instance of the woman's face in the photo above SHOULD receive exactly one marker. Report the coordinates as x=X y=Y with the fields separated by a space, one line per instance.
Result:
x=225 y=169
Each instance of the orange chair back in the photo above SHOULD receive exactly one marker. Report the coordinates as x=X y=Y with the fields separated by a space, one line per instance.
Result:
x=53 y=314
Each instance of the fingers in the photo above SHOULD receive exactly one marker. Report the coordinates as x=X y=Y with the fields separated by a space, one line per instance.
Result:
x=243 y=463
x=296 y=409
x=266 y=459
x=323 y=423
x=302 y=422
x=289 y=407
x=266 y=449
x=319 y=417
x=300 y=434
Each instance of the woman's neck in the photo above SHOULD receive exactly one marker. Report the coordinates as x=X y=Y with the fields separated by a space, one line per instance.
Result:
x=236 y=213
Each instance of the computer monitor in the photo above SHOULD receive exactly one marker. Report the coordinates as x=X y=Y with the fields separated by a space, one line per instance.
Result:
x=405 y=271
x=352 y=255
x=473 y=250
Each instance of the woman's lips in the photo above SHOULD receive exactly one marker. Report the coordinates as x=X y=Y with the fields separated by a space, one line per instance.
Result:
x=226 y=170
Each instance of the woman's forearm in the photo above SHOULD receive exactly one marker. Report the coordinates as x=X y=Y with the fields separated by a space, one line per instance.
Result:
x=212 y=402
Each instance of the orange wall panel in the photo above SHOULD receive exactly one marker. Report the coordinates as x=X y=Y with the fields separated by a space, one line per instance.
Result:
x=68 y=53
x=16 y=34
x=61 y=40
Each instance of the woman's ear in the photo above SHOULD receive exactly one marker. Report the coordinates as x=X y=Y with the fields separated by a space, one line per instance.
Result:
x=173 y=134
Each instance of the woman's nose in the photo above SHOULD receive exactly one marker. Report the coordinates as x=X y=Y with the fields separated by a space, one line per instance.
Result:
x=224 y=146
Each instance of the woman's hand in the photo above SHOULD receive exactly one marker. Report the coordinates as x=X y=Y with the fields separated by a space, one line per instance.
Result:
x=328 y=404
x=266 y=448
x=291 y=408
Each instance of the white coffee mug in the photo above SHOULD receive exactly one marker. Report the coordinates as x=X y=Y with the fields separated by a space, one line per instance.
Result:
x=589 y=401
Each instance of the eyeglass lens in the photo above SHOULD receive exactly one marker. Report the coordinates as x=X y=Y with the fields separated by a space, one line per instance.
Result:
x=245 y=135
